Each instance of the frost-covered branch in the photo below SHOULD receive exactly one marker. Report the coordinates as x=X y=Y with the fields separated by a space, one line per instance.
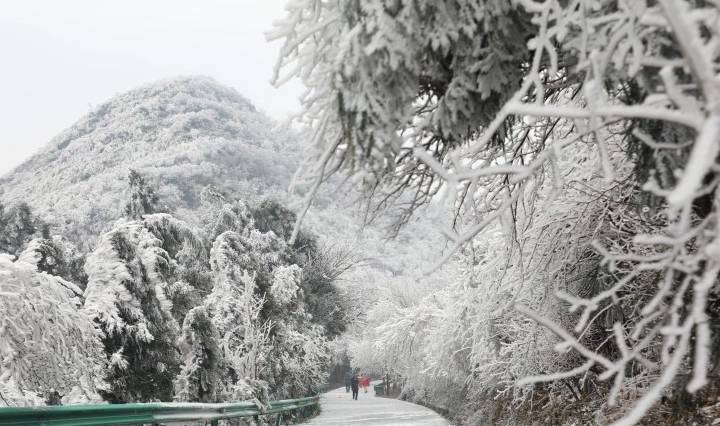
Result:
x=621 y=262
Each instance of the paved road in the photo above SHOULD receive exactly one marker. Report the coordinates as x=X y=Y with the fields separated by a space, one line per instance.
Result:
x=339 y=409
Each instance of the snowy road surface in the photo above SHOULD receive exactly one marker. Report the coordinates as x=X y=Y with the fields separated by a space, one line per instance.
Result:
x=338 y=409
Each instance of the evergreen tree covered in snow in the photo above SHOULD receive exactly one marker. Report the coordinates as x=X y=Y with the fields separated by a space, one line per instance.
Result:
x=256 y=308
x=131 y=275
x=218 y=308
x=18 y=226
x=56 y=256
x=143 y=199
x=236 y=309
x=271 y=215
x=322 y=265
x=189 y=269
x=203 y=373
x=48 y=346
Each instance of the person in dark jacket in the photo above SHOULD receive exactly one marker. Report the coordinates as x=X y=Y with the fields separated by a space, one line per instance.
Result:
x=348 y=380
x=355 y=385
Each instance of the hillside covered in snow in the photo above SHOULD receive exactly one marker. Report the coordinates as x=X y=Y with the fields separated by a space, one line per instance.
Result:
x=182 y=134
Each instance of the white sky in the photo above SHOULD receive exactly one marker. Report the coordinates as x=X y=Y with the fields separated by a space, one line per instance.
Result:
x=58 y=58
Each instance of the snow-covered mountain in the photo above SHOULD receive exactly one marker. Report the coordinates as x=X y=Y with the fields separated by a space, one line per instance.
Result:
x=181 y=134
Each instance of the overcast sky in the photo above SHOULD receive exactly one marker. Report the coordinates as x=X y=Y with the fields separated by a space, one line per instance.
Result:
x=58 y=59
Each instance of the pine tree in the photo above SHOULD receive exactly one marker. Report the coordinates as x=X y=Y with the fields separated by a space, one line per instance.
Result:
x=56 y=256
x=204 y=373
x=220 y=215
x=143 y=199
x=18 y=226
x=271 y=215
x=129 y=275
x=189 y=266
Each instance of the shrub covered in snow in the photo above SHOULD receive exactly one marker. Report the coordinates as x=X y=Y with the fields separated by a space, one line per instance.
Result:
x=48 y=345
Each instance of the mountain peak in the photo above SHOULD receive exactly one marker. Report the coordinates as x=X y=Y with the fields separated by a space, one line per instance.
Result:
x=193 y=85
x=183 y=133
x=160 y=99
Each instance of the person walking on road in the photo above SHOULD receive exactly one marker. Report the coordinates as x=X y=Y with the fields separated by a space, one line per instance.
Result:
x=365 y=382
x=348 y=379
x=355 y=385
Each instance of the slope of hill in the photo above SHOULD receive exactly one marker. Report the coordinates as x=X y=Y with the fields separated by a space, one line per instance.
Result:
x=182 y=134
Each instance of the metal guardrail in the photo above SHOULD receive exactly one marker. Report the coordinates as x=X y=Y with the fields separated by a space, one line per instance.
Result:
x=387 y=389
x=379 y=389
x=153 y=413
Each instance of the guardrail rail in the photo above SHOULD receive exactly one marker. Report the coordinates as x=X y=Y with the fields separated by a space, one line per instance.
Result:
x=379 y=389
x=154 y=413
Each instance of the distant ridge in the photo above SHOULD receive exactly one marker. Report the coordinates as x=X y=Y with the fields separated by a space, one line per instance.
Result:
x=181 y=133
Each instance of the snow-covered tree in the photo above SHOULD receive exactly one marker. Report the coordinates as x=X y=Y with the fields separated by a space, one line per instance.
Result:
x=56 y=256
x=271 y=215
x=325 y=298
x=221 y=215
x=480 y=100
x=258 y=302
x=18 y=226
x=236 y=306
x=189 y=270
x=248 y=270
x=322 y=264
x=203 y=373
x=48 y=346
x=300 y=357
x=285 y=287
x=131 y=279
x=142 y=198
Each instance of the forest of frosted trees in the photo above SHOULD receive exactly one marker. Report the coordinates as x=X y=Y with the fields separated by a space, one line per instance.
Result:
x=570 y=152
x=163 y=311
x=548 y=170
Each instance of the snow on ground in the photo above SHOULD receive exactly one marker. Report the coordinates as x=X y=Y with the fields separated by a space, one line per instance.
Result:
x=338 y=408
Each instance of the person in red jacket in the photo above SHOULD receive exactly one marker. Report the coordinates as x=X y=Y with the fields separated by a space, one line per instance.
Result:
x=365 y=382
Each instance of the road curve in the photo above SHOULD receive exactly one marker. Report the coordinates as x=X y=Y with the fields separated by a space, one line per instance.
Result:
x=338 y=408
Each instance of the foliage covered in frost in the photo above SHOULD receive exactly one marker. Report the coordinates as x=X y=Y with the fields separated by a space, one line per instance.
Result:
x=18 y=225
x=143 y=199
x=47 y=344
x=203 y=367
x=285 y=283
x=161 y=294
x=265 y=342
x=129 y=280
x=57 y=256
x=236 y=311
x=495 y=104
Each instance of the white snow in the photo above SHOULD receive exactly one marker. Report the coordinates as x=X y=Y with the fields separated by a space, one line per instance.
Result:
x=338 y=408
